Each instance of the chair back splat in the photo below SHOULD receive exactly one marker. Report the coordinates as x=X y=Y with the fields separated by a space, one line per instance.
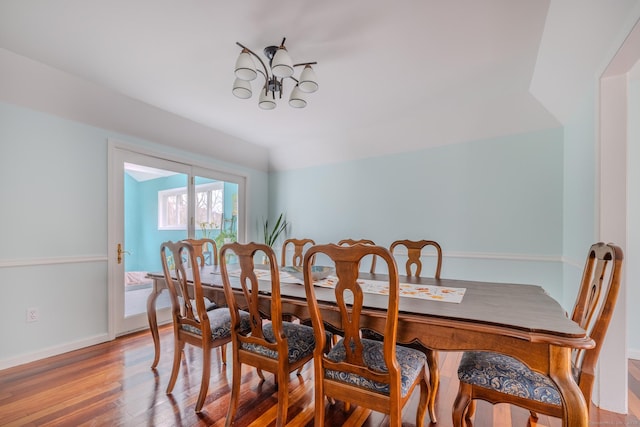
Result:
x=205 y=250
x=502 y=379
x=298 y=251
x=206 y=253
x=374 y=374
x=351 y=242
x=414 y=252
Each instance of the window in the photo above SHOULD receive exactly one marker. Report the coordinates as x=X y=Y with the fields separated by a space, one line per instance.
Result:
x=210 y=204
x=173 y=207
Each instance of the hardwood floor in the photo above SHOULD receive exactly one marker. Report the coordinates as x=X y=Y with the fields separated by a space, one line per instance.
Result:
x=111 y=384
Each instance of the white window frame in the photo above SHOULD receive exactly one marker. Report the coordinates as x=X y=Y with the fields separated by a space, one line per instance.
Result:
x=210 y=186
x=163 y=196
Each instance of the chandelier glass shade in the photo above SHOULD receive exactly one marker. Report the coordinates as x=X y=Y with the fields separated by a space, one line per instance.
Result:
x=280 y=68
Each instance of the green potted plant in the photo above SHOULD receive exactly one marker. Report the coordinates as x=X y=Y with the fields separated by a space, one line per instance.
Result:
x=271 y=234
x=228 y=232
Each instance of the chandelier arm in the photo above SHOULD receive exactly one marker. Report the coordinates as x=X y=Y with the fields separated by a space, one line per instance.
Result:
x=266 y=73
x=266 y=77
x=305 y=63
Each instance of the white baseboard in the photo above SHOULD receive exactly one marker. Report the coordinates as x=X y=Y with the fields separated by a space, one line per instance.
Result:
x=53 y=351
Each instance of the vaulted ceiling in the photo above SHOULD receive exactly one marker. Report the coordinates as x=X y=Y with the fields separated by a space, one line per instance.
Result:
x=393 y=76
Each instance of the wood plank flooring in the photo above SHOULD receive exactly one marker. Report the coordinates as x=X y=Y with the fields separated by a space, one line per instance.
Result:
x=111 y=384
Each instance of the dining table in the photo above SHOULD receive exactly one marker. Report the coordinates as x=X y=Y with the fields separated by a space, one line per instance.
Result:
x=519 y=320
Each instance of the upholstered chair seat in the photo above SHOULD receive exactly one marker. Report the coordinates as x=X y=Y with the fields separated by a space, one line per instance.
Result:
x=300 y=340
x=411 y=364
x=220 y=321
x=507 y=375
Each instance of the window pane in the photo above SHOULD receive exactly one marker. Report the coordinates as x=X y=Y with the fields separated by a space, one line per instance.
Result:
x=217 y=199
x=182 y=209
x=172 y=211
x=210 y=204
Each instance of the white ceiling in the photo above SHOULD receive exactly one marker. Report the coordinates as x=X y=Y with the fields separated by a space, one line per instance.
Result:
x=144 y=173
x=394 y=76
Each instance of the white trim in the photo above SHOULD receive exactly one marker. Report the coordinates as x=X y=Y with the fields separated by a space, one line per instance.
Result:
x=633 y=353
x=470 y=255
x=502 y=256
x=30 y=262
x=483 y=256
x=225 y=172
x=53 y=351
x=573 y=262
x=112 y=238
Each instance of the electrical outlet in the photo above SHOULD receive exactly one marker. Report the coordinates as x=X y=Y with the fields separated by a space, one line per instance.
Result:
x=32 y=314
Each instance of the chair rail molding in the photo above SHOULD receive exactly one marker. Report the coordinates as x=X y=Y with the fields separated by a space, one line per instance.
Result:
x=30 y=262
x=488 y=255
x=491 y=255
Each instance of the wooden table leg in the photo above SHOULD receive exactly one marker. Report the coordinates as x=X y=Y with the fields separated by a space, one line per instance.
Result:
x=434 y=381
x=153 y=323
x=576 y=413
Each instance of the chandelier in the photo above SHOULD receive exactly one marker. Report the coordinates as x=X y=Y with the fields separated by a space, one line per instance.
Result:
x=280 y=68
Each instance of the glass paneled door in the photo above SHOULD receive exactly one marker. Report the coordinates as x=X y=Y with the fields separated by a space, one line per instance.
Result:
x=151 y=198
x=154 y=200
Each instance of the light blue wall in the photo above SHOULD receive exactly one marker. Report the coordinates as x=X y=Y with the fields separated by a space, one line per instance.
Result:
x=132 y=220
x=494 y=205
x=146 y=249
x=53 y=183
x=53 y=186
x=142 y=237
x=579 y=195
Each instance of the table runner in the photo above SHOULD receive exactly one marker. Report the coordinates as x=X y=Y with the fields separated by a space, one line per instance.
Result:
x=409 y=290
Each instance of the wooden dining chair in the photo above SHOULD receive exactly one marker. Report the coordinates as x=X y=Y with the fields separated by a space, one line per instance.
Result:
x=193 y=325
x=275 y=346
x=413 y=267
x=298 y=251
x=414 y=253
x=379 y=375
x=351 y=242
x=204 y=246
x=496 y=378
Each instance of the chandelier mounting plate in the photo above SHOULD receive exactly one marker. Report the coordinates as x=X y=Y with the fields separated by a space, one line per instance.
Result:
x=270 y=51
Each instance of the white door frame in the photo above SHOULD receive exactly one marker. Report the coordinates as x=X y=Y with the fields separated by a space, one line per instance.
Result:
x=118 y=324
x=116 y=149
